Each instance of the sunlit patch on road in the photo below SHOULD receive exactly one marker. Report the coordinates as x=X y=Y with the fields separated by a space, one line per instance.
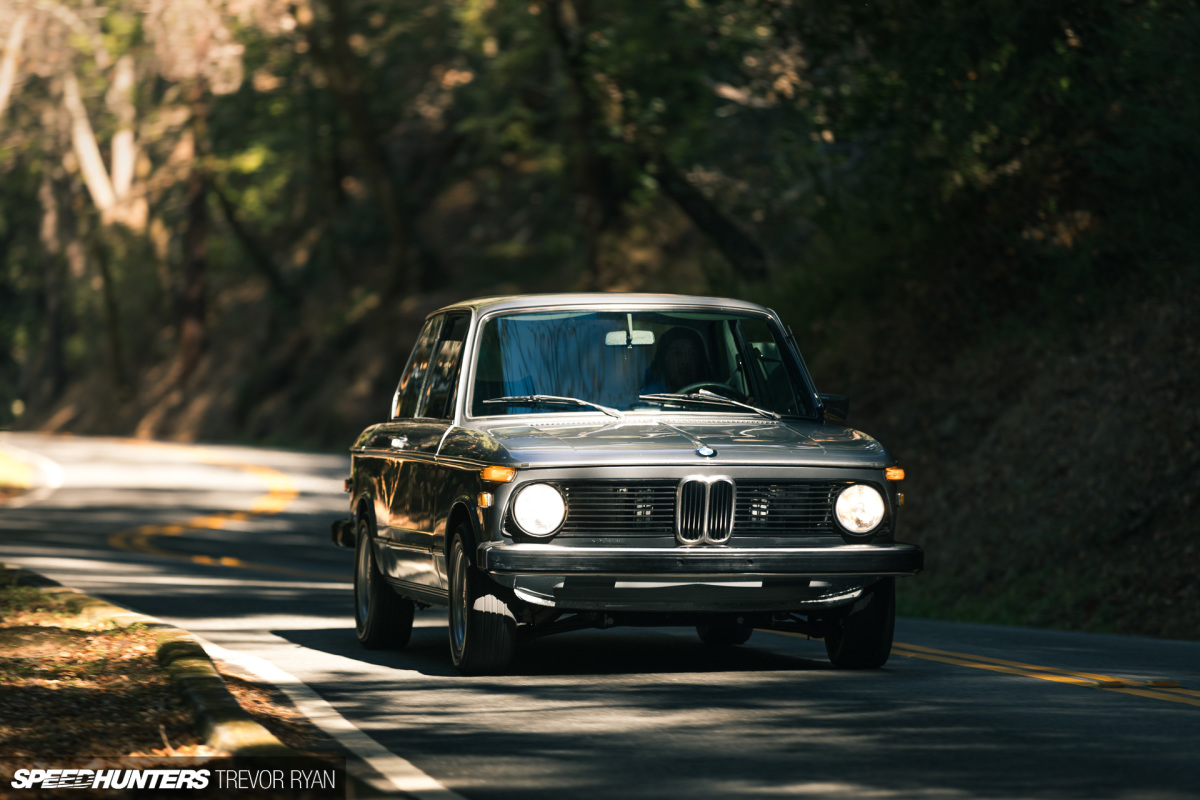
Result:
x=280 y=494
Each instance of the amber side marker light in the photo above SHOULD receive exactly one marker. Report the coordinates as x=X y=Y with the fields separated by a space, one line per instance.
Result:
x=894 y=473
x=498 y=474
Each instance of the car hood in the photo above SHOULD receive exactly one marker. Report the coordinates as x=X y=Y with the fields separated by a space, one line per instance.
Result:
x=677 y=440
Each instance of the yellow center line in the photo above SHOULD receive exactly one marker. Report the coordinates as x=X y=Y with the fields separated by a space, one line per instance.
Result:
x=1007 y=670
x=1090 y=677
x=1169 y=691
x=14 y=473
x=1181 y=691
x=1163 y=694
x=280 y=494
x=1157 y=690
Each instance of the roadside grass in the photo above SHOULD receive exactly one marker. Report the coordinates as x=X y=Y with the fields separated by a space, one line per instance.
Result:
x=71 y=686
x=78 y=687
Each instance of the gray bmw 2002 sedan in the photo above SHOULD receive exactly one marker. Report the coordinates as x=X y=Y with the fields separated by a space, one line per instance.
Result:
x=557 y=462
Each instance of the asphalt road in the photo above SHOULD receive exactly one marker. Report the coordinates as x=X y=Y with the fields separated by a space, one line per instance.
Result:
x=232 y=544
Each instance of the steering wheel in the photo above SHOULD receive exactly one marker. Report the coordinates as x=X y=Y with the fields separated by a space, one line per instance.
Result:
x=712 y=386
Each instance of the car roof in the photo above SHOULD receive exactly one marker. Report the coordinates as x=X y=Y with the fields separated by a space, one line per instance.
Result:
x=599 y=300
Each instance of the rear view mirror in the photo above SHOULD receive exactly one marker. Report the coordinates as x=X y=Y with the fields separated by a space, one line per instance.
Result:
x=628 y=338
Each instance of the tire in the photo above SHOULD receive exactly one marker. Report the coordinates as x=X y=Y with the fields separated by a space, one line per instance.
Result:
x=861 y=637
x=724 y=634
x=483 y=630
x=382 y=618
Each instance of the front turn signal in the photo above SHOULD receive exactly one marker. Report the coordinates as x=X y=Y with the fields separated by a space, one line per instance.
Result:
x=894 y=473
x=498 y=474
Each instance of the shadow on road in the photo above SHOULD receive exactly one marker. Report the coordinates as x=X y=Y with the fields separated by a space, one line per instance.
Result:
x=622 y=651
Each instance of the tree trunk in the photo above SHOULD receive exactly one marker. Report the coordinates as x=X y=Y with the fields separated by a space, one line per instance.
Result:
x=193 y=329
x=52 y=375
x=344 y=74
x=112 y=317
x=597 y=201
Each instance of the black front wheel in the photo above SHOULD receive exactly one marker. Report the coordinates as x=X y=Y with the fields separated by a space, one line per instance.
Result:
x=860 y=637
x=382 y=618
x=483 y=630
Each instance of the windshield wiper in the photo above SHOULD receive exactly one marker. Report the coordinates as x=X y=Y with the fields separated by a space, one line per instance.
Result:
x=553 y=400
x=705 y=396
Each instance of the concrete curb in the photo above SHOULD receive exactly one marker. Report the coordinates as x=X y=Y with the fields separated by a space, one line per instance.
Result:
x=222 y=722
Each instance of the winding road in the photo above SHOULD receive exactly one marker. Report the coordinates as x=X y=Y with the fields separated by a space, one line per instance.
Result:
x=232 y=543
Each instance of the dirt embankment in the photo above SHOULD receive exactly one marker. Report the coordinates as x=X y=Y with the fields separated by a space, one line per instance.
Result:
x=1051 y=477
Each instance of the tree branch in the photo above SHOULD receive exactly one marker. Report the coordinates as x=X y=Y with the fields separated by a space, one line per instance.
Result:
x=83 y=138
x=8 y=67
x=73 y=21
x=741 y=251
x=124 y=147
x=258 y=254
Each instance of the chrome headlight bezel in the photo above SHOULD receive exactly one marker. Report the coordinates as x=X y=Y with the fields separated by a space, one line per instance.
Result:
x=860 y=509
x=535 y=506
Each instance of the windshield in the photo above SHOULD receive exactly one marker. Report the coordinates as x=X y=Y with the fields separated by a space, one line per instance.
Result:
x=632 y=360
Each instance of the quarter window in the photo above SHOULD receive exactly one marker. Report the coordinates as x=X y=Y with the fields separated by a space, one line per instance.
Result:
x=441 y=388
x=408 y=393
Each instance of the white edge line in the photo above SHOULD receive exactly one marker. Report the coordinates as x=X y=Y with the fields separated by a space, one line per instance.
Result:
x=51 y=475
x=400 y=773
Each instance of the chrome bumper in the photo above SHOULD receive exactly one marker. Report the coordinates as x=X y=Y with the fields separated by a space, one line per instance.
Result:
x=501 y=558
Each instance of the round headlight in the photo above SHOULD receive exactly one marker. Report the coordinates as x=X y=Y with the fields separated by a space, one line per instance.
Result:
x=539 y=509
x=859 y=508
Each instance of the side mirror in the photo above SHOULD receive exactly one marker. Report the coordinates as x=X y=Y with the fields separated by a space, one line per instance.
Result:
x=835 y=408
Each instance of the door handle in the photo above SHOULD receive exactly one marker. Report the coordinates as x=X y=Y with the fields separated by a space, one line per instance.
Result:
x=400 y=442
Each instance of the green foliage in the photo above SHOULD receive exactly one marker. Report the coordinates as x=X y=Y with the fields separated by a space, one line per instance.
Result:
x=1013 y=151
x=978 y=162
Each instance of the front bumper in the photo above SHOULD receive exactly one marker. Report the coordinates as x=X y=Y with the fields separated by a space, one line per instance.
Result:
x=501 y=558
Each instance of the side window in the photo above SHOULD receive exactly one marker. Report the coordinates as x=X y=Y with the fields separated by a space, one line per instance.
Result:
x=408 y=393
x=771 y=370
x=727 y=358
x=441 y=389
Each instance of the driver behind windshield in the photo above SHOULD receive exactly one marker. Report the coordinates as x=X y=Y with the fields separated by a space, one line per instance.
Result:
x=680 y=360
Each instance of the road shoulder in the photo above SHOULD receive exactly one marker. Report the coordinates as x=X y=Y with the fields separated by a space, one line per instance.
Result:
x=215 y=696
